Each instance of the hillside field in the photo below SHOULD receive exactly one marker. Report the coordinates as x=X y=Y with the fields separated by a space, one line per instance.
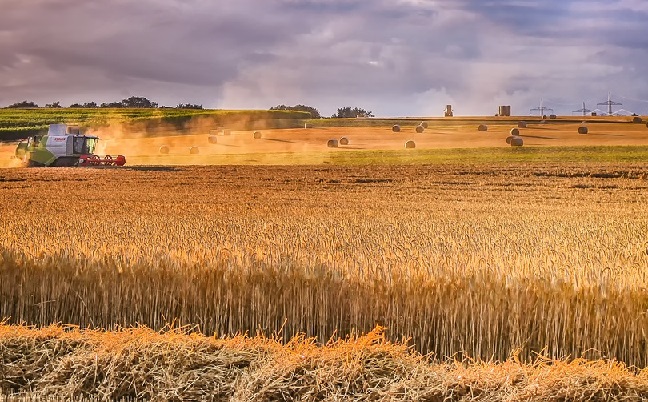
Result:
x=20 y=123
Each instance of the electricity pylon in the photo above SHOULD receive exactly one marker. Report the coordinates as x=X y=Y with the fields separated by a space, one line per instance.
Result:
x=541 y=109
x=609 y=104
x=584 y=110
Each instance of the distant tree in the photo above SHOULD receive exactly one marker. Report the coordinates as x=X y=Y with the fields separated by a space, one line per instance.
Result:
x=22 y=105
x=315 y=114
x=188 y=106
x=85 y=105
x=132 y=102
x=348 y=112
x=138 y=102
x=53 y=105
x=112 y=104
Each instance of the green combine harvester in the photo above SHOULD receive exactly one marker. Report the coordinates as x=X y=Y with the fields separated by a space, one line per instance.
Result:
x=64 y=145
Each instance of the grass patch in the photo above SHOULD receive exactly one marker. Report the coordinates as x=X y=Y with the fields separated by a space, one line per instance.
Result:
x=490 y=156
x=494 y=155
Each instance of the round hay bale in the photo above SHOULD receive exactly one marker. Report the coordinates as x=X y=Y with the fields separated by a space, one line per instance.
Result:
x=194 y=150
x=396 y=128
x=410 y=144
x=424 y=124
x=213 y=139
x=164 y=149
x=332 y=143
x=514 y=132
x=544 y=117
x=482 y=127
x=419 y=129
x=509 y=138
x=553 y=116
x=637 y=120
x=582 y=130
x=344 y=141
x=517 y=142
x=257 y=135
x=522 y=124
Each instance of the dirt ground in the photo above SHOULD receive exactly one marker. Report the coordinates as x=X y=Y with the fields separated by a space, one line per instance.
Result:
x=311 y=144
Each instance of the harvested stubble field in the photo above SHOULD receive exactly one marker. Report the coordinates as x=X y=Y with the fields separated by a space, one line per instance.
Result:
x=308 y=146
x=367 y=138
x=140 y=364
x=483 y=262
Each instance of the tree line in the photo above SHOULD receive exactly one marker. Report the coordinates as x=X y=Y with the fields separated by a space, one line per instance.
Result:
x=342 y=113
x=144 y=103
x=132 y=102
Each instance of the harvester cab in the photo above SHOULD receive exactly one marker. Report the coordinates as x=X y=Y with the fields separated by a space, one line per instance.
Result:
x=64 y=145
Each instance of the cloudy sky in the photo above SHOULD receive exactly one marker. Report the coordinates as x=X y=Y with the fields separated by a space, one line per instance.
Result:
x=394 y=57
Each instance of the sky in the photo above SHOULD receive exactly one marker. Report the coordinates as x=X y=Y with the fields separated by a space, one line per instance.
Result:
x=391 y=57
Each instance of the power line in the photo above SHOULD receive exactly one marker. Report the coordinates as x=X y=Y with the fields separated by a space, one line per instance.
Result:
x=632 y=99
x=556 y=103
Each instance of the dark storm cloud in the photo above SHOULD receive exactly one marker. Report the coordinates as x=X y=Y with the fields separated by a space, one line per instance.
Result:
x=601 y=22
x=524 y=17
x=181 y=43
x=314 y=7
x=146 y=40
x=393 y=56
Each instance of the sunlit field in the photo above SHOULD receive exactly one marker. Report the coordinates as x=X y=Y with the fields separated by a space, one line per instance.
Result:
x=278 y=268
x=371 y=141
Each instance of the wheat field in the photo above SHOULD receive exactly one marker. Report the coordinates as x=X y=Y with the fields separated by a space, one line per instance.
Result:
x=475 y=261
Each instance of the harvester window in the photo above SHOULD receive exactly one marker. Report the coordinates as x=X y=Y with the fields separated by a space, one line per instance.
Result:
x=78 y=145
x=91 y=144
